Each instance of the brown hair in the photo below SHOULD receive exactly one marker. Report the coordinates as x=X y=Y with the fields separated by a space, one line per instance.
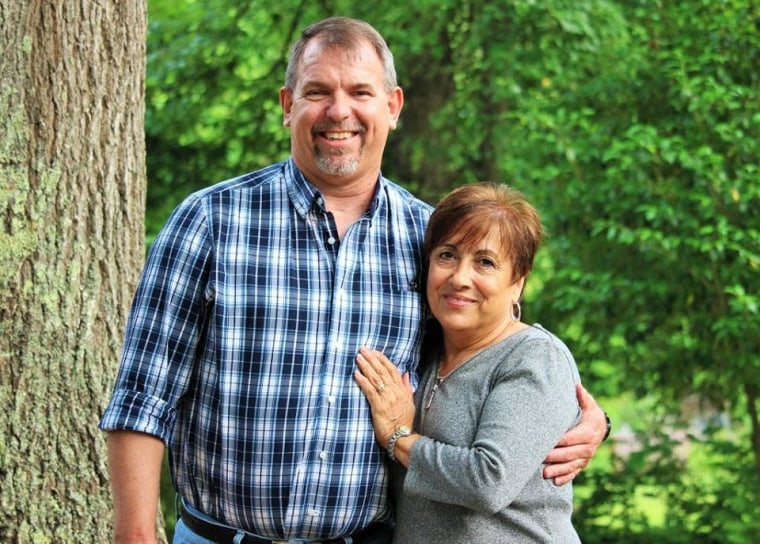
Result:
x=471 y=212
x=344 y=33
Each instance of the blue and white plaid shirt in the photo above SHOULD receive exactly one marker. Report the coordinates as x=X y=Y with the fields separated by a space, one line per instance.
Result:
x=241 y=343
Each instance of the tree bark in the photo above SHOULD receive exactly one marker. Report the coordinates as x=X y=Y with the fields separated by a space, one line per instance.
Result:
x=72 y=198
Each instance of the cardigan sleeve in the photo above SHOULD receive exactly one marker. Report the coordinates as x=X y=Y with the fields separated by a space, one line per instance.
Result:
x=530 y=402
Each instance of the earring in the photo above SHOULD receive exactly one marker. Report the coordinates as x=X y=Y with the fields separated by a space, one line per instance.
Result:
x=516 y=311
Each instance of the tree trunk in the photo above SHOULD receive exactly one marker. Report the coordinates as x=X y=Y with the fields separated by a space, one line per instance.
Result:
x=72 y=197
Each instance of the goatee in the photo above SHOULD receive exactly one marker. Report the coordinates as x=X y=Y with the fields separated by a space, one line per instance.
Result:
x=334 y=166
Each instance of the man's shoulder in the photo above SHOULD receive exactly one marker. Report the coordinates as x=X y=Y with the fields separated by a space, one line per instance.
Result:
x=232 y=191
x=401 y=196
x=249 y=181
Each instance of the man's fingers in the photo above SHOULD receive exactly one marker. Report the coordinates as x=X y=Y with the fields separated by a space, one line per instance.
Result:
x=569 y=453
x=564 y=471
x=562 y=480
x=569 y=465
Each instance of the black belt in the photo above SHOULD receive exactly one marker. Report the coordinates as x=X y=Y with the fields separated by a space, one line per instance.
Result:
x=222 y=534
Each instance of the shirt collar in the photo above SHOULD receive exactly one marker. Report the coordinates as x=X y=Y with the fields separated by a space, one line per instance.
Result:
x=306 y=197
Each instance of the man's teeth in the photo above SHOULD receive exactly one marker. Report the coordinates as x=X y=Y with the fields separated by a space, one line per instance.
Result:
x=337 y=135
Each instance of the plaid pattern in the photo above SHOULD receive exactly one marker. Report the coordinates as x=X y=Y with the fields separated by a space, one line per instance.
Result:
x=240 y=347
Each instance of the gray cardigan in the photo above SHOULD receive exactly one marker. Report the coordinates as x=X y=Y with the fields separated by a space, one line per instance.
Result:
x=475 y=476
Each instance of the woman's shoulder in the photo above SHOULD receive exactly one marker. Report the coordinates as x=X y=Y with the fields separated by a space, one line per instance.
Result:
x=535 y=345
x=538 y=334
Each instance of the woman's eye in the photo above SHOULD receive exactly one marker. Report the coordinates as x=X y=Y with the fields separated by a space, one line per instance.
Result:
x=487 y=263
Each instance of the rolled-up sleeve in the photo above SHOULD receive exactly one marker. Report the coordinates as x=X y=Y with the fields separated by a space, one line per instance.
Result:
x=164 y=327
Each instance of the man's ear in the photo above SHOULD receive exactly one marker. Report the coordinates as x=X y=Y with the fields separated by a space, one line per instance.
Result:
x=286 y=103
x=395 y=104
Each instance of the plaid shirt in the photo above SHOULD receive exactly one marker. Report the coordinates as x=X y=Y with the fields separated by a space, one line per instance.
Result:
x=241 y=343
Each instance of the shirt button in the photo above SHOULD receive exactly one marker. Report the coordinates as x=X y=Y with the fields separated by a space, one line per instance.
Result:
x=331 y=240
x=331 y=399
x=312 y=512
x=323 y=455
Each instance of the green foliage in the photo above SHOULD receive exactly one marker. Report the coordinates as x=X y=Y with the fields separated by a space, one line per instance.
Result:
x=662 y=211
x=651 y=194
x=654 y=487
x=212 y=96
x=634 y=127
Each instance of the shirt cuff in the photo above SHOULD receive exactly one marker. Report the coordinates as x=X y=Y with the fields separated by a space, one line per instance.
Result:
x=133 y=411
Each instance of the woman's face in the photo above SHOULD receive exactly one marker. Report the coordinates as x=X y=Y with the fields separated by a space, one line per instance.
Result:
x=470 y=289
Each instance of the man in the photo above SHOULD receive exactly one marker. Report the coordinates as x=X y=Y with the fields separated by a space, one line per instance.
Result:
x=254 y=301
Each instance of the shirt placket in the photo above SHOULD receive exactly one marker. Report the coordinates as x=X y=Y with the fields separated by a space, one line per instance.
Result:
x=310 y=510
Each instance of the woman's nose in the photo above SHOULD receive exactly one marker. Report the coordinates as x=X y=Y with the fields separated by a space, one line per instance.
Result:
x=460 y=276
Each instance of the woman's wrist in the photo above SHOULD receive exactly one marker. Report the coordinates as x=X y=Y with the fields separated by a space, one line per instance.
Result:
x=390 y=446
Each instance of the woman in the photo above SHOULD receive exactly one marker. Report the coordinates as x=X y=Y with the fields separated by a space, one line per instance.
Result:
x=495 y=393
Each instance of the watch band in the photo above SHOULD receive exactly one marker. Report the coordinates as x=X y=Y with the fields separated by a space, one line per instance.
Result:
x=390 y=448
x=609 y=427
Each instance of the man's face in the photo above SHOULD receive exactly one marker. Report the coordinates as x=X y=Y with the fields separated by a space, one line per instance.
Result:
x=340 y=114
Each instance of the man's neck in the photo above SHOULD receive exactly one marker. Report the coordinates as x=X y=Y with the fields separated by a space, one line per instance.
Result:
x=347 y=208
x=347 y=199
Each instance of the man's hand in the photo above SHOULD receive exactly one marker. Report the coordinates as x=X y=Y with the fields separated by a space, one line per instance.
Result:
x=577 y=446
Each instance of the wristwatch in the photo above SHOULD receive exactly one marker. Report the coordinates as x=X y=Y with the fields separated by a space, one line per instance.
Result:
x=391 y=447
x=609 y=427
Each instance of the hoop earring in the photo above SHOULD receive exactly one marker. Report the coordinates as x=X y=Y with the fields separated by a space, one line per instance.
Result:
x=516 y=315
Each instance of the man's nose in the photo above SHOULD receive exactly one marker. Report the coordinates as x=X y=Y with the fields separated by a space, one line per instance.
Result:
x=339 y=107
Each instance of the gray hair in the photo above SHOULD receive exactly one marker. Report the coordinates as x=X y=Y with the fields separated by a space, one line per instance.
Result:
x=345 y=33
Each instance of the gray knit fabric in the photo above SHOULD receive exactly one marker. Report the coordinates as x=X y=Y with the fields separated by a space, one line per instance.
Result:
x=476 y=477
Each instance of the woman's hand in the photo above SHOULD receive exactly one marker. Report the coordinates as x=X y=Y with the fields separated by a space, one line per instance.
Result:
x=389 y=394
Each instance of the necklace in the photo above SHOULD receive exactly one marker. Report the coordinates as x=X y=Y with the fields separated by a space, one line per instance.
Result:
x=439 y=381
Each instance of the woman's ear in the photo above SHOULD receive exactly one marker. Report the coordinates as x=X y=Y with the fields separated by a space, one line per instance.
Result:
x=518 y=288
